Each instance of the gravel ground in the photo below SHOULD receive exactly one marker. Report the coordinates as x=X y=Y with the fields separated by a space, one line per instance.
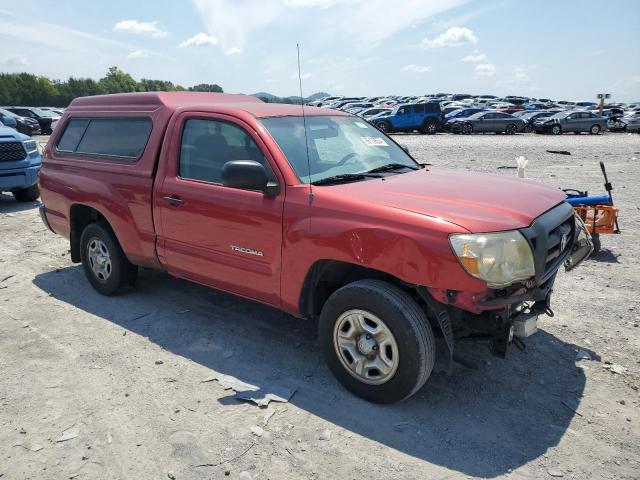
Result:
x=95 y=387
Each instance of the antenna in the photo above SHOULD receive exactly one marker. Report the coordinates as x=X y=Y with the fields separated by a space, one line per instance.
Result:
x=304 y=123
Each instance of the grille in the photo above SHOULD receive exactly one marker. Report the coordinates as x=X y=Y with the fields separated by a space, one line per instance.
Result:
x=555 y=248
x=546 y=236
x=12 y=152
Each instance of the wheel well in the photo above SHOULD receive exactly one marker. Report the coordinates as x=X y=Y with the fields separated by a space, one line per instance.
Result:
x=327 y=276
x=80 y=217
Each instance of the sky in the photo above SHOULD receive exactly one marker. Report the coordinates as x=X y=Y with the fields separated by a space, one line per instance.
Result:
x=564 y=50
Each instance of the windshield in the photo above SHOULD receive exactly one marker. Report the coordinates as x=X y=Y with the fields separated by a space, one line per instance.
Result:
x=338 y=145
x=44 y=113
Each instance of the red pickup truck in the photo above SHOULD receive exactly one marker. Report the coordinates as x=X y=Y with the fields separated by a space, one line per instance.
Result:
x=322 y=216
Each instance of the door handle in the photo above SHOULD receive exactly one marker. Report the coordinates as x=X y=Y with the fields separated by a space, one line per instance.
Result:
x=173 y=200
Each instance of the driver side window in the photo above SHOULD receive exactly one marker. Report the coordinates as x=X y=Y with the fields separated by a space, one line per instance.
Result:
x=208 y=144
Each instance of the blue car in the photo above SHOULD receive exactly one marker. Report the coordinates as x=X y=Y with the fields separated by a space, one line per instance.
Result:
x=20 y=164
x=408 y=117
x=450 y=117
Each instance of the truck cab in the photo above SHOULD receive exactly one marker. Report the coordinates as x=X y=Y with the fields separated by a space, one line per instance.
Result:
x=314 y=212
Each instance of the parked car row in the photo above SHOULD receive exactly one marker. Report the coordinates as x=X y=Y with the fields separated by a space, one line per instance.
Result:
x=462 y=113
x=31 y=120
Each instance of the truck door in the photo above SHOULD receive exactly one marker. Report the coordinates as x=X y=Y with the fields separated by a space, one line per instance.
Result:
x=402 y=118
x=224 y=237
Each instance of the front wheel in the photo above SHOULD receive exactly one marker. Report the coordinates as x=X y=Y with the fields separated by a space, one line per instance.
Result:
x=377 y=341
x=28 y=194
x=467 y=129
x=556 y=130
x=384 y=127
x=511 y=129
x=594 y=130
x=105 y=264
x=527 y=128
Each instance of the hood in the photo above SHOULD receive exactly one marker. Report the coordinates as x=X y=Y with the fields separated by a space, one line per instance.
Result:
x=475 y=201
x=9 y=134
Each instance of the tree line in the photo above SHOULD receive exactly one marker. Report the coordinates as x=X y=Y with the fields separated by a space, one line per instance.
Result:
x=31 y=90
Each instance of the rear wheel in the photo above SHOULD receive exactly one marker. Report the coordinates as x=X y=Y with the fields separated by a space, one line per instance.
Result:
x=527 y=128
x=384 y=127
x=377 y=341
x=594 y=130
x=467 y=129
x=28 y=194
x=556 y=129
x=511 y=129
x=105 y=264
x=430 y=127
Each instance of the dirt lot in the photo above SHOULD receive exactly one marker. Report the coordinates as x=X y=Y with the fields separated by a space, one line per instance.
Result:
x=95 y=387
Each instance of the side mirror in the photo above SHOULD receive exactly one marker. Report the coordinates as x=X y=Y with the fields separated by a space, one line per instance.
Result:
x=249 y=175
x=405 y=147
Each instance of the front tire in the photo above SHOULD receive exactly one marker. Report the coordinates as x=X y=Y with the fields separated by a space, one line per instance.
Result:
x=28 y=194
x=511 y=129
x=594 y=130
x=467 y=129
x=527 y=128
x=556 y=129
x=105 y=264
x=377 y=341
x=384 y=127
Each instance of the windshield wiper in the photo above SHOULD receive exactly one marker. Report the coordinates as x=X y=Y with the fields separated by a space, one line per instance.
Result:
x=344 y=178
x=392 y=166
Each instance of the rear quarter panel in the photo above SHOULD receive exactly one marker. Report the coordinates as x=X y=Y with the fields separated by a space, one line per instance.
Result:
x=120 y=190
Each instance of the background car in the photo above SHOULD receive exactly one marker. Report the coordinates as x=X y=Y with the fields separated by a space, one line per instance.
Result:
x=451 y=117
x=489 y=122
x=43 y=117
x=8 y=121
x=530 y=117
x=372 y=112
x=26 y=126
x=631 y=122
x=425 y=117
x=571 y=121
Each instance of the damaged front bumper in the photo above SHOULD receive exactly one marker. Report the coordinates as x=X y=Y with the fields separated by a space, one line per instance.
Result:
x=557 y=238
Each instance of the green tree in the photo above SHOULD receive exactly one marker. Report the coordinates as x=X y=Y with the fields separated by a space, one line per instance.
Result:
x=117 y=81
x=205 y=87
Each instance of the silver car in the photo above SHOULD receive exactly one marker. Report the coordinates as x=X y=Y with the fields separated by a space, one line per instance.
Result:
x=571 y=121
x=631 y=122
x=485 y=122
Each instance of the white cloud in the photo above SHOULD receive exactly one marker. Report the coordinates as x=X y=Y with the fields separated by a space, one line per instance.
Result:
x=417 y=68
x=14 y=61
x=520 y=76
x=314 y=3
x=149 y=29
x=233 y=51
x=475 y=57
x=453 y=37
x=199 y=40
x=304 y=76
x=138 y=54
x=485 y=70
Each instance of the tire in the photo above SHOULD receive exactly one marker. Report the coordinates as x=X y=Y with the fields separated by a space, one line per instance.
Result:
x=595 y=129
x=556 y=129
x=118 y=274
x=595 y=239
x=467 y=129
x=384 y=127
x=430 y=127
x=28 y=194
x=413 y=347
x=511 y=129
x=527 y=128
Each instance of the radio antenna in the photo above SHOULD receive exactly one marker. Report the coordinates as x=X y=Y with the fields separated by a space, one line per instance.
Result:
x=304 y=123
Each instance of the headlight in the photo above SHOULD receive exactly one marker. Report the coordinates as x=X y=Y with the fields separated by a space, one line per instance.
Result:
x=30 y=146
x=499 y=259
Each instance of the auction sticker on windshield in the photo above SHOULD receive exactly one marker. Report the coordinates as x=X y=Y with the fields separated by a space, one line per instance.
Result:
x=374 y=142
